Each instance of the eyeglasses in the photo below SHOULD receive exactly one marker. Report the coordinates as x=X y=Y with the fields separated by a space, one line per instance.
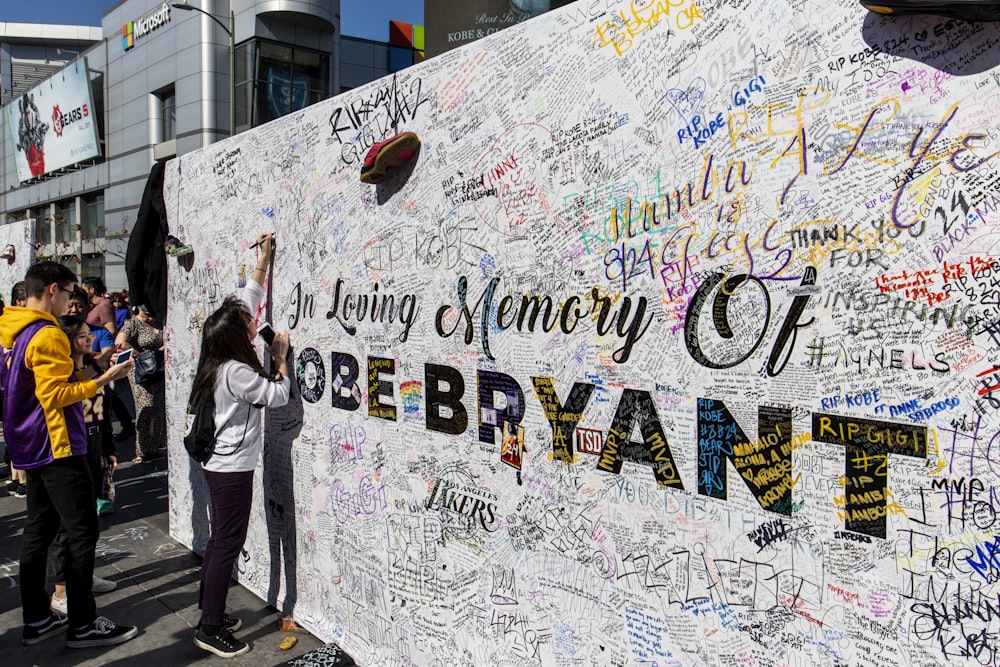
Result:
x=63 y=289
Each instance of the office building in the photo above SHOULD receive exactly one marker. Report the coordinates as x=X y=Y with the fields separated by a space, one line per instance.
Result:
x=88 y=110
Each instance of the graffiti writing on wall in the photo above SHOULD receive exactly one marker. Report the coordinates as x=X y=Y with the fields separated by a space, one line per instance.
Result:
x=677 y=343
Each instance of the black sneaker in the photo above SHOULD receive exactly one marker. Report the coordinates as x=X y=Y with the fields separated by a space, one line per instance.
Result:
x=965 y=10
x=34 y=634
x=231 y=623
x=223 y=644
x=101 y=632
x=20 y=491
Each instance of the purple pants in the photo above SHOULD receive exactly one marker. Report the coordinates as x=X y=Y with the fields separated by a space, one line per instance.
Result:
x=231 y=494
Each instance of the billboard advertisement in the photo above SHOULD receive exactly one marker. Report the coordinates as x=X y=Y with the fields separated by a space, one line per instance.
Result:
x=53 y=124
x=452 y=23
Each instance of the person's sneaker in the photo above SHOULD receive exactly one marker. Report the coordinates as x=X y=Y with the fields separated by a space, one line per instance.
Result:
x=231 y=623
x=223 y=644
x=175 y=248
x=59 y=604
x=965 y=10
x=102 y=632
x=20 y=491
x=392 y=152
x=54 y=624
x=104 y=585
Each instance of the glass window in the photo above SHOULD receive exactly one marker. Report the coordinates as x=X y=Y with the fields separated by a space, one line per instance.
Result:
x=274 y=79
x=309 y=78
x=244 y=60
x=286 y=79
x=92 y=265
x=93 y=212
x=66 y=221
x=168 y=114
x=43 y=225
x=244 y=84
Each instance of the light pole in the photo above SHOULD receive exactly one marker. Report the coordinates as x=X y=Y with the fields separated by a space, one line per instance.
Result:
x=231 y=31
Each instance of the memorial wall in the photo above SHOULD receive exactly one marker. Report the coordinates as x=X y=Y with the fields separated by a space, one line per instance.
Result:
x=676 y=344
x=17 y=253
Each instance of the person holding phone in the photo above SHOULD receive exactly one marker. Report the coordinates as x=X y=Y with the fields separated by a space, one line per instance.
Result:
x=266 y=333
x=143 y=332
x=229 y=366
x=100 y=448
x=46 y=433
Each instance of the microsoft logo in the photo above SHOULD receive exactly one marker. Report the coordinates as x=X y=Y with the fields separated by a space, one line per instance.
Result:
x=141 y=27
x=128 y=40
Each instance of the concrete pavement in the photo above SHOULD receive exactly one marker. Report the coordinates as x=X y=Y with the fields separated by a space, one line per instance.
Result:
x=157 y=589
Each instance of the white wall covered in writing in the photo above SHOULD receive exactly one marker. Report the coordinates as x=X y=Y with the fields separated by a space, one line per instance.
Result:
x=674 y=345
x=20 y=236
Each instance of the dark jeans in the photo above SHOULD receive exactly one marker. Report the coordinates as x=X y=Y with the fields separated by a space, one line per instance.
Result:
x=119 y=409
x=59 y=551
x=231 y=494
x=61 y=493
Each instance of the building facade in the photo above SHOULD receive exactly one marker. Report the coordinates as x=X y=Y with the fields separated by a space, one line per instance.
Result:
x=160 y=86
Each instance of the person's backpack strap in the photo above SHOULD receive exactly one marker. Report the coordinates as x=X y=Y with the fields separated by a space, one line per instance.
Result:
x=245 y=426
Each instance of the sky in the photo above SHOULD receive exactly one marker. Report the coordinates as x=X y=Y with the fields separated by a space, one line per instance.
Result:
x=359 y=18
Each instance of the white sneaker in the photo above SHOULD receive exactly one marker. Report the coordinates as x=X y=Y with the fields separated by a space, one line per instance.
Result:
x=59 y=604
x=103 y=585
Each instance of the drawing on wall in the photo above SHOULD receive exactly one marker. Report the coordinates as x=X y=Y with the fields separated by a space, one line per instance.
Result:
x=17 y=253
x=678 y=343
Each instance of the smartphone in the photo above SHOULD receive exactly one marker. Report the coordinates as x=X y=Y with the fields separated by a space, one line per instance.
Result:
x=266 y=333
x=124 y=356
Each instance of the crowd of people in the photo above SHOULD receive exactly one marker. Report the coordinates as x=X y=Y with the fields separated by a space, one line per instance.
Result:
x=62 y=346
x=47 y=380
x=113 y=325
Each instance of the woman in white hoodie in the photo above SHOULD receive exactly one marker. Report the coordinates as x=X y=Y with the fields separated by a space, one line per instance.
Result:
x=242 y=388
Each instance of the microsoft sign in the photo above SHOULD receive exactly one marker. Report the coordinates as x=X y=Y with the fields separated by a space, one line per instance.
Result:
x=134 y=30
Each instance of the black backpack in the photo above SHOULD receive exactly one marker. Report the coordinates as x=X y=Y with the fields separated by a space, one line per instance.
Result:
x=199 y=428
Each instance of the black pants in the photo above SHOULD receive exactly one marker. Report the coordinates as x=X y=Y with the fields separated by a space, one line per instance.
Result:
x=61 y=493
x=231 y=495
x=59 y=551
x=119 y=410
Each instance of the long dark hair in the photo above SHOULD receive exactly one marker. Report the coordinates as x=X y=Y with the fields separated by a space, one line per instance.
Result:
x=224 y=338
x=18 y=293
x=70 y=324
